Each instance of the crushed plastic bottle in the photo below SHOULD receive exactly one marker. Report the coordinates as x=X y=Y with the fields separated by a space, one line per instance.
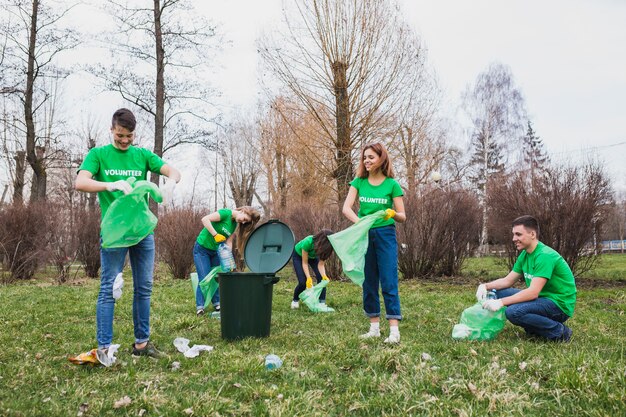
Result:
x=227 y=261
x=272 y=362
x=216 y=315
x=491 y=295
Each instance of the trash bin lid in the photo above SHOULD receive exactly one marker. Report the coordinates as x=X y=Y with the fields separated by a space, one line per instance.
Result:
x=269 y=247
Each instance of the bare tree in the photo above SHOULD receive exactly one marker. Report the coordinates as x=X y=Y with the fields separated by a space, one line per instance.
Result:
x=419 y=134
x=351 y=63
x=238 y=154
x=165 y=46
x=35 y=38
x=496 y=109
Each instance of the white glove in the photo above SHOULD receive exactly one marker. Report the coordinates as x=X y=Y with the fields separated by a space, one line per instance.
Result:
x=167 y=190
x=493 y=305
x=120 y=185
x=481 y=292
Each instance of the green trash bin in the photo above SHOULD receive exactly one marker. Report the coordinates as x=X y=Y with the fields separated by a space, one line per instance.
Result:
x=246 y=297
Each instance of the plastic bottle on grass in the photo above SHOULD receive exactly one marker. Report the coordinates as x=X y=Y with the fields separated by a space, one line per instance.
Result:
x=227 y=261
x=272 y=362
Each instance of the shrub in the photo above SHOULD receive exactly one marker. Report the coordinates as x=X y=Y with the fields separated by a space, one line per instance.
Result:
x=175 y=236
x=62 y=240
x=570 y=203
x=24 y=232
x=87 y=232
x=439 y=233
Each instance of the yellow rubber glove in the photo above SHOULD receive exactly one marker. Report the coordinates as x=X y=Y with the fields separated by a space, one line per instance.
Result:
x=309 y=282
x=219 y=238
x=325 y=278
x=390 y=214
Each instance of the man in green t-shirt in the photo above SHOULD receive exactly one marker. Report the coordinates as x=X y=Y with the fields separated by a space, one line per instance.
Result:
x=550 y=296
x=105 y=170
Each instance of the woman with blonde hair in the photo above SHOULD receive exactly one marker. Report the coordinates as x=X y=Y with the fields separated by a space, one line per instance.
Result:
x=221 y=226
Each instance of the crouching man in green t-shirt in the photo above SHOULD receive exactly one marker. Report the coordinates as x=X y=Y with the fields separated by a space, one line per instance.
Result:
x=550 y=296
x=105 y=171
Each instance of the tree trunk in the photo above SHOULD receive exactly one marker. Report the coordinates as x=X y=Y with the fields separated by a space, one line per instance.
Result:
x=38 y=190
x=343 y=173
x=159 y=116
x=20 y=170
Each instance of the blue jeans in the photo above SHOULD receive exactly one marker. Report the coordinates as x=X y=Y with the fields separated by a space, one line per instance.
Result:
x=205 y=260
x=112 y=263
x=297 y=267
x=540 y=317
x=381 y=270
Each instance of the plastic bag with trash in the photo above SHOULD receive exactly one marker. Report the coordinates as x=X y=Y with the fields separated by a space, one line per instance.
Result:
x=129 y=220
x=311 y=298
x=96 y=357
x=350 y=245
x=208 y=285
x=478 y=323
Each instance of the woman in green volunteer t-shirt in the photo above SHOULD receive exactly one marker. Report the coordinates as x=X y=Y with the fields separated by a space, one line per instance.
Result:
x=377 y=190
x=312 y=251
x=220 y=226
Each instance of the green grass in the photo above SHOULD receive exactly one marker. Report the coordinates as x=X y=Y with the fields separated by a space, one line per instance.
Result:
x=327 y=370
x=610 y=267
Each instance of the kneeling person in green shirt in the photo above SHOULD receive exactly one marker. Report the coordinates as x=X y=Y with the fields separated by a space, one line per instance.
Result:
x=550 y=296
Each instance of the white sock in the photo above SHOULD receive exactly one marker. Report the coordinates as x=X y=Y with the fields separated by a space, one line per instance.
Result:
x=375 y=327
x=394 y=331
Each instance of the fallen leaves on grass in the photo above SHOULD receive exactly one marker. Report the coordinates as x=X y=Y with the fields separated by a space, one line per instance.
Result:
x=122 y=402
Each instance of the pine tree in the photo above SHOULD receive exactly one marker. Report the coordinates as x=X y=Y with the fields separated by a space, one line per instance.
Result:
x=534 y=154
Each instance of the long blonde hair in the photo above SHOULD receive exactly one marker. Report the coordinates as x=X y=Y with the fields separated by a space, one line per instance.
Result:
x=245 y=229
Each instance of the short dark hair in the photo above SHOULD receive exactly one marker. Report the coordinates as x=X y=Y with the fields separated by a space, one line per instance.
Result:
x=124 y=118
x=322 y=245
x=529 y=222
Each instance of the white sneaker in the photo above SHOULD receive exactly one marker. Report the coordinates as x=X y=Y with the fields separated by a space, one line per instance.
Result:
x=393 y=339
x=295 y=304
x=370 y=334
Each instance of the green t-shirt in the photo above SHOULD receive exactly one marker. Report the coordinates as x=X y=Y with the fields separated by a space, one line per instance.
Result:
x=373 y=198
x=226 y=226
x=545 y=262
x=109 y=164
x=307 y=245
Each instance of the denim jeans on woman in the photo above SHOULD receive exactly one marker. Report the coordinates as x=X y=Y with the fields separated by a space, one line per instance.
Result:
x=205 y=260
x=381 y=270
x=297 y=267
x=539 y=317
x=112 y=263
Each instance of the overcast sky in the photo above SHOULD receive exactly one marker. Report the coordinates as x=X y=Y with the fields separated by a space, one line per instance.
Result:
x=567 y=56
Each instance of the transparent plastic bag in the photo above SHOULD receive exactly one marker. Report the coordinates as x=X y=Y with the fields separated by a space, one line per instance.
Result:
x=350 y=246
x=129 y=220
x=311 y=298
x=478 y=323
x=209 y=285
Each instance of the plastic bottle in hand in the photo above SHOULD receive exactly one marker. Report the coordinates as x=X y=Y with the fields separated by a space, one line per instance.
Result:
x=227 y=261
x=272 y=362
x=491 y=295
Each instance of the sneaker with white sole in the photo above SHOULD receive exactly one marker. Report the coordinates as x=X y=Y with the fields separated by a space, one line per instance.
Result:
x=393 y=339
x=370 y=334
x=295 y=304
